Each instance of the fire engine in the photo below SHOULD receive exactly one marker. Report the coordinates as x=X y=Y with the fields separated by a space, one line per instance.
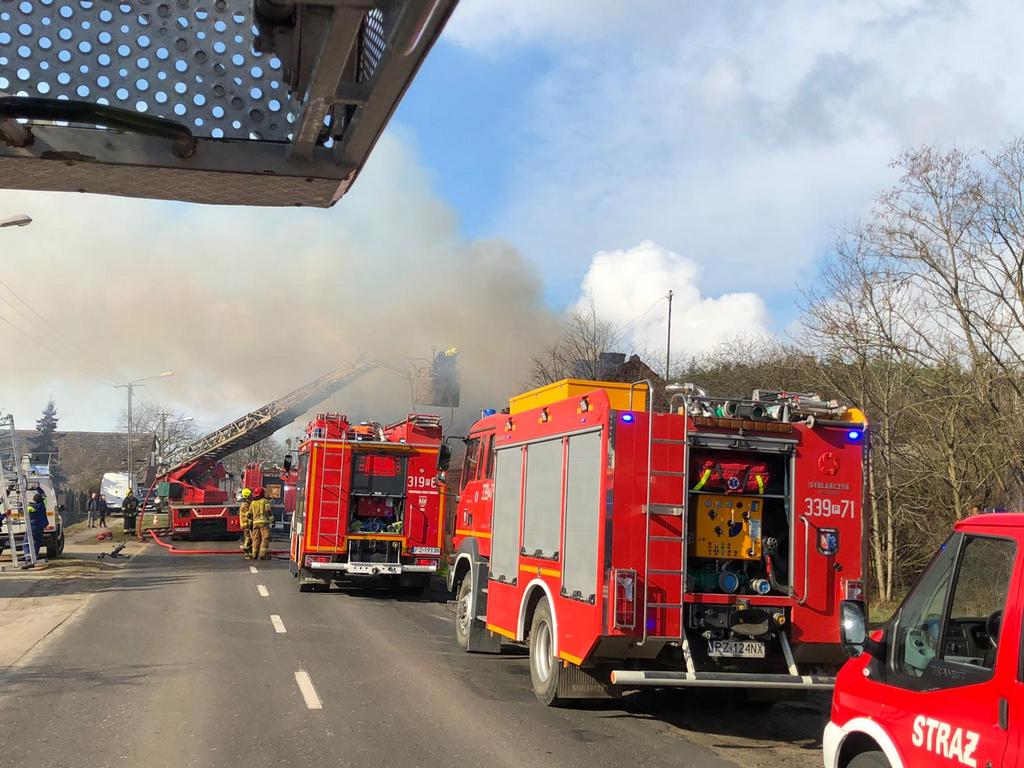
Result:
x=710 y=545
x=368 y=502
x=940 y=684
x=199 y=495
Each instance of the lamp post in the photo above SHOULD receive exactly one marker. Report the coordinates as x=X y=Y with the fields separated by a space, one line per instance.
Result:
x=130 y=386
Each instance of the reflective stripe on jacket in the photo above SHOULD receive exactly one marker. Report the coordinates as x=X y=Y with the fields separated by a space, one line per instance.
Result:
x=261 y=512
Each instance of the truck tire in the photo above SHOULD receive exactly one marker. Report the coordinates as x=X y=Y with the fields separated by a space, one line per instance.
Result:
x=545 y=668
x=869 y=760
x=55 y=546
x=463 y=612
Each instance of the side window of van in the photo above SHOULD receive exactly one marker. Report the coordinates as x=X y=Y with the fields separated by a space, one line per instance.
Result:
x=947 y=632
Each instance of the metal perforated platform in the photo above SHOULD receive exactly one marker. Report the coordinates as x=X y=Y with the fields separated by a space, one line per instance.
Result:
x=277 y=103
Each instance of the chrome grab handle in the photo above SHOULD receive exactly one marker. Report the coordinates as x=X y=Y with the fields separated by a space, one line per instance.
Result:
x=807 y=558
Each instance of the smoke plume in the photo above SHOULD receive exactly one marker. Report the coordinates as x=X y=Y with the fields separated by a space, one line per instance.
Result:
x=245 y=304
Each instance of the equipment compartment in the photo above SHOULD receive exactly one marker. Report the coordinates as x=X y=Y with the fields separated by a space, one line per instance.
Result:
x=738 y=524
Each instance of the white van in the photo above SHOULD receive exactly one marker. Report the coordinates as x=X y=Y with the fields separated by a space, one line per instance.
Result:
x=53 y=535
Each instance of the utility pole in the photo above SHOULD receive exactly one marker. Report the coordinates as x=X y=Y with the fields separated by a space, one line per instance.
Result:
x=130 y=386
x=668 y=343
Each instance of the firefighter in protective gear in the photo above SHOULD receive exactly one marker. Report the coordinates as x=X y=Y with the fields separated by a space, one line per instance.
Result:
x=262 y=519
x=245 y=522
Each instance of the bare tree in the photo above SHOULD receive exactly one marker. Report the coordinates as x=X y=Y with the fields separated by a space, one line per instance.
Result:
x=173 y=430
x=577 y=351
x=270 y=450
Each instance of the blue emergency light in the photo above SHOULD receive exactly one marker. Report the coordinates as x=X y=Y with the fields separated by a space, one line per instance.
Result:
x=487 y=412
x=854 y=435
x=627 y=418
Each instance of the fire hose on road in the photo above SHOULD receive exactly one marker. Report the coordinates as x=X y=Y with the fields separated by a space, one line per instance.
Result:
x=173 y=550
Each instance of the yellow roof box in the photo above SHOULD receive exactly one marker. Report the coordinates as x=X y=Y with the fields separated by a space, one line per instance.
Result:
x=618 y=394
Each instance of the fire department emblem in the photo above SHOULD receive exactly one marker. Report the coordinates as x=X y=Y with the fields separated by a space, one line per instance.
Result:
x=828 y=463
x=733 y=483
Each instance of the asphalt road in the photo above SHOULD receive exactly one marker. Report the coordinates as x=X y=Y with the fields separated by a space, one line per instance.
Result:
x=179 y=661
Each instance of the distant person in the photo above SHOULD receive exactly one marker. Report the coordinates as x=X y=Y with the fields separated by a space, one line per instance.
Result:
x=102 y=504
x=38 y=522
x=129 y=509
x=245 y=522
x=262 y=519
x=92 y=508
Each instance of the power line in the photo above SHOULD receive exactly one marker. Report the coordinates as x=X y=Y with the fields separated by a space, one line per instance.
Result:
x=631 y=326
x=54 y=333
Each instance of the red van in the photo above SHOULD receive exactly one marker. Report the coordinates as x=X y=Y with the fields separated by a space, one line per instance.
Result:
x=942 y=684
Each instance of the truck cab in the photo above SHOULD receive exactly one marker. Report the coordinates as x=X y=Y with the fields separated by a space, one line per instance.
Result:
x=942 y=683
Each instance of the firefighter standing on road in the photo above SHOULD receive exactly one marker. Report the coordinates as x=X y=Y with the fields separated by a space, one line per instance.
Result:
x=245 y=521
x=262 y=519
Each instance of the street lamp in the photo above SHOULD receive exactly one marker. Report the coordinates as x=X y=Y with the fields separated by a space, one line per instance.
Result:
x=21 y=220
x=130 y=386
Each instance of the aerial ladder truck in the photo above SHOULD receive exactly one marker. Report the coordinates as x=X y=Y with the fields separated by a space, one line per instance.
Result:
x=196 y=488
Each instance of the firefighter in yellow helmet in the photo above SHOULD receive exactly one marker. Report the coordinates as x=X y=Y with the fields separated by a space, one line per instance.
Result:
x=262 y=519
x=245 y=521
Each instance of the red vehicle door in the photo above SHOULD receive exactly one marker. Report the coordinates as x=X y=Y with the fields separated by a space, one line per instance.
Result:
x=951 y=668
x=473 y=515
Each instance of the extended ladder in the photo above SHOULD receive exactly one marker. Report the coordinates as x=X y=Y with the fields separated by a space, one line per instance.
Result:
x=14 y=484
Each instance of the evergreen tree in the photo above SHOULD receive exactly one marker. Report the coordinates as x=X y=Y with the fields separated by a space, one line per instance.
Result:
x=46 y=445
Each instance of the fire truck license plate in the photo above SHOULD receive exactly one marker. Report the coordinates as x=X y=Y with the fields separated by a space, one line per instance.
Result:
x=746 y=649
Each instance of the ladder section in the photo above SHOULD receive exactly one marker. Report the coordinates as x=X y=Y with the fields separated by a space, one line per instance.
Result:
x=264 y=422
x=666 y=527
x=331 y=509
x=14 y=494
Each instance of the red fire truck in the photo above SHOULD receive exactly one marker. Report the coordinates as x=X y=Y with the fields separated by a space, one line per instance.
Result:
x=278 y=483
x=942 y=683
x=200 y=500
x=368 y=502
x=709 y=546
x=199 y=495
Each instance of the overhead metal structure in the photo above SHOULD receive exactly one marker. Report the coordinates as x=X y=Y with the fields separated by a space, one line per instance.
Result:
x=240 y=102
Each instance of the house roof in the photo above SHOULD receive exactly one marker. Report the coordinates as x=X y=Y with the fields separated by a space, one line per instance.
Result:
x=83 y=457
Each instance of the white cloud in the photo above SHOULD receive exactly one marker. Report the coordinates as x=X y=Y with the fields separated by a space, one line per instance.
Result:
x=627 y=287
x=741 y=134
x=487 y=25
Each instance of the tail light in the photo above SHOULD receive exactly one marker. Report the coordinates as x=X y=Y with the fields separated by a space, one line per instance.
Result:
x=49 y=529
x=425 y=561
x=855 y=590
x=310 y=559
x=625 y=599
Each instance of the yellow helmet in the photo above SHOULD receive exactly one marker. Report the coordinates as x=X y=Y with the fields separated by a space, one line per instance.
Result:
x=246 y=493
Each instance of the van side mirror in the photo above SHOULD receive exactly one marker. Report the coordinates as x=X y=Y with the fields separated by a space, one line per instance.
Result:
x=853 y=627
x=444 y=457
x=287 y=464
x=62 y=508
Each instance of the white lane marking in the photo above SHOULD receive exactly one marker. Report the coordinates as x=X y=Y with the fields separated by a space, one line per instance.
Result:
x=252 y=569
x=262 y=590
x=278 y=624
x=307 y=690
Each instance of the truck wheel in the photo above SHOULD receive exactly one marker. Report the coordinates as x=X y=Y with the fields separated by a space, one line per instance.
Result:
x=869 y=760
x=54 y=546
x=464 y=612
x=544 y=666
